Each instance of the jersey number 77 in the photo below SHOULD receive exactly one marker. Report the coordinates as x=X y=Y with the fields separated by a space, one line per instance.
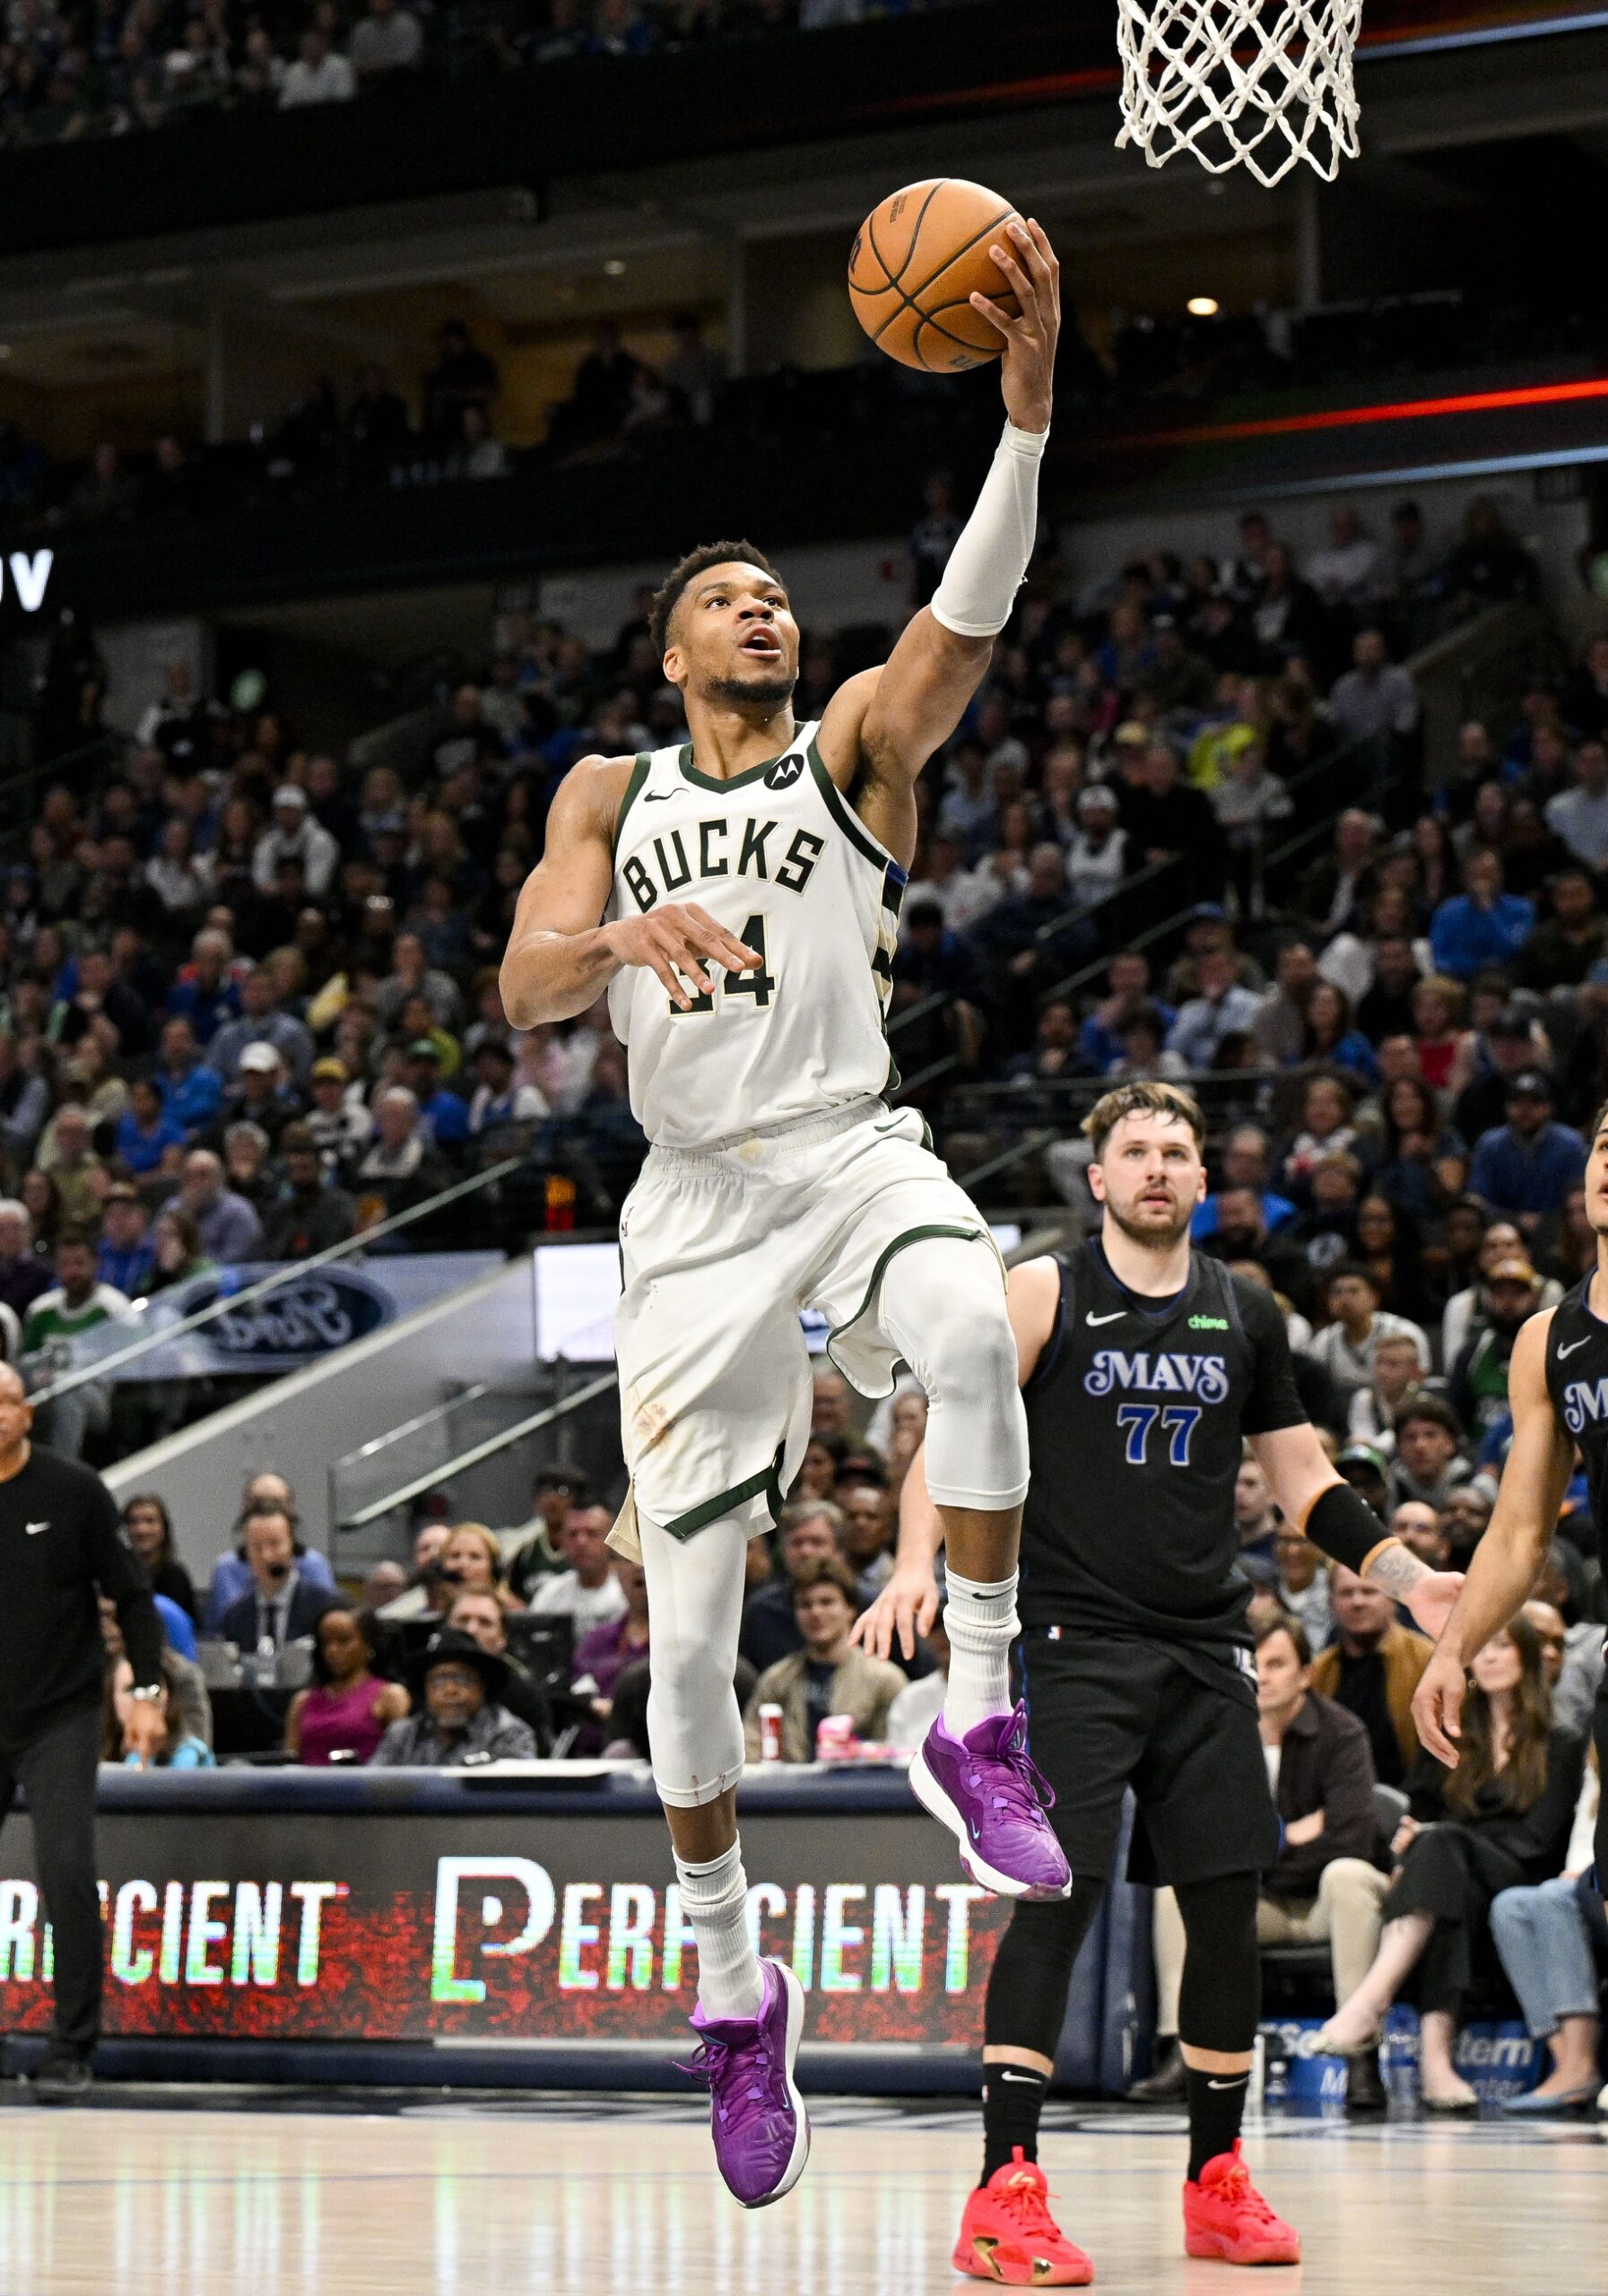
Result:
x=1178 y=1424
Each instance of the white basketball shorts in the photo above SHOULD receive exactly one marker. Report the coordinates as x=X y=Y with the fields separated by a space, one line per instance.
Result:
x=722 y=1249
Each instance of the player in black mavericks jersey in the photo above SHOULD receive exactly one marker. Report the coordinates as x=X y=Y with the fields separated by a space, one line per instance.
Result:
x=1145 y=1366
x=1558 y=1394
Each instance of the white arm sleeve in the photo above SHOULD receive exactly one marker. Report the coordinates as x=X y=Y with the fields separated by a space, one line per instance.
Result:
x=987 y=566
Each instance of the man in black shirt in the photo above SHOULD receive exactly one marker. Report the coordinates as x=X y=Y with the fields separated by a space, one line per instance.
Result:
x=62 y=1545
x=1144 y=1367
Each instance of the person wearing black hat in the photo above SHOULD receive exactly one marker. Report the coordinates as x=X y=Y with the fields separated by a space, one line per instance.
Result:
x=310 y=1213
x=457 y=1719
x=1509 y=1048
x=1527 y=1166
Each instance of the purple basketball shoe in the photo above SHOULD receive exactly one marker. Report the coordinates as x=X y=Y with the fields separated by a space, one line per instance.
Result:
x=757 y=2116
x=986 y=1791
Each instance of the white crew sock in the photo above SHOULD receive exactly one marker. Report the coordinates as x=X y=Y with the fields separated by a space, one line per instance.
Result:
x=715 y=1900
x=981 y=1623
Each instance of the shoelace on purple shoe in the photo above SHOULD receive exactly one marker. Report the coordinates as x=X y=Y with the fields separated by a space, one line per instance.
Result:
x=716 y=2060
x=1026 y=1790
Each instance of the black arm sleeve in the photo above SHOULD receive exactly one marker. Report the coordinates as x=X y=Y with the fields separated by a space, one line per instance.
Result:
x=1344 y=1526
x=120 y=1576
x=1273 y=1401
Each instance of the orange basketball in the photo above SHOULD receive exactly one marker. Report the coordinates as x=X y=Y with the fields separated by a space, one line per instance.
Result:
x=915 y=261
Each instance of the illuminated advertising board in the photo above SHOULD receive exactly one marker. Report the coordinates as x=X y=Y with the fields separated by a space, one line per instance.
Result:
x=313 y=1926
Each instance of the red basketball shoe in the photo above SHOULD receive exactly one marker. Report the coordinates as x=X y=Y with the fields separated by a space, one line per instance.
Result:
x=1008 y=2234
x=1226 y=2217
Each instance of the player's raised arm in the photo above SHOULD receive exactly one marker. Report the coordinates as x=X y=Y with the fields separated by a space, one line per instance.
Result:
x=1509 y=1556
x=559 y=955
x=908 y=1602
x=915 y=701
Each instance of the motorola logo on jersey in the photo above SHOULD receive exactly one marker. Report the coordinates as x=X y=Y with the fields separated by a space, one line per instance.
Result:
x=785 y=772
x=1585 y=1400
x=721 y=848
x=1205 y=1376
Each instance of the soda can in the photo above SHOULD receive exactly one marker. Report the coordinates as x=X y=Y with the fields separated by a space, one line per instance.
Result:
x=834 y=1736
x=771 y=1734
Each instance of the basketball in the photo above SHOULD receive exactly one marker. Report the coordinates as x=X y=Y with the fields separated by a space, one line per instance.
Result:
x=915 y=261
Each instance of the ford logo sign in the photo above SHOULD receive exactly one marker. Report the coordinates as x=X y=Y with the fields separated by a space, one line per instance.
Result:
x=307 y=1315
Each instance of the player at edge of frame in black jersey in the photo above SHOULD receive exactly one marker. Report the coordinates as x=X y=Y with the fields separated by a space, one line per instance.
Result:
x=1558 y=1394
x=1144 y=1367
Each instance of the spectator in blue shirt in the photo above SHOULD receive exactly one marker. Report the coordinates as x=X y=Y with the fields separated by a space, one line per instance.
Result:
x=933 y=961
x=192 y=1095
x=144 y=1133
x=446 y=1116
x=1223 y=1008
x=1247 y=1161
x=966 y=811
x=228 y=1227
x=125 y=1255
x=1482 y=926
x=178 y=1628
x=1104 y=1030
x=207 y=995
x=1527 y=1166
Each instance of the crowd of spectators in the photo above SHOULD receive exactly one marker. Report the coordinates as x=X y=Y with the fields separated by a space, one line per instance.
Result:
x=249 y=994
x=70 y=71
x=1151 y=747
x=248 y=997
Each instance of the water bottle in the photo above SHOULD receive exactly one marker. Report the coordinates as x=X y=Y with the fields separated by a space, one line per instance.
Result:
x=265 y=1667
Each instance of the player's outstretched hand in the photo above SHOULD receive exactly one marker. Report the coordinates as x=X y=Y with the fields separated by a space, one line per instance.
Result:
x=1438 y=1706
x=1026 y=377
x=905 y=1607
x=1431 y=1599
x=674 y=941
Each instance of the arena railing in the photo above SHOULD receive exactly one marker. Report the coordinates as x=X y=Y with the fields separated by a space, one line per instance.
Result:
x=294 y=1271
x=551 y=1415
x=1077 y=1095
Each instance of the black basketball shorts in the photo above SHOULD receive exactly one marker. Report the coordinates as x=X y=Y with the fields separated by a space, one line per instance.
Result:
x=1106 y=1712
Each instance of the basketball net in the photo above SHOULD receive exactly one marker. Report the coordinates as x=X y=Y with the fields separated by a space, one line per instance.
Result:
x=1253 y=83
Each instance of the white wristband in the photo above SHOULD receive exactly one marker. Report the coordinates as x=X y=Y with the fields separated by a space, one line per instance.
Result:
x=991 y=557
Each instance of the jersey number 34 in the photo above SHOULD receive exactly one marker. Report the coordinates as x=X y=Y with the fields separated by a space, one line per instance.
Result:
x=760 y=985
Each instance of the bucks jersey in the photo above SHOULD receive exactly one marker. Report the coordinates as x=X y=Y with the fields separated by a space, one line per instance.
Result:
x=1137 y=1413
x=779 y=856
x=1578 y=1383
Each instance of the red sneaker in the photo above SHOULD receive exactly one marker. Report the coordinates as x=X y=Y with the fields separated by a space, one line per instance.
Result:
x=1225 y=2216
x=1008 y=2234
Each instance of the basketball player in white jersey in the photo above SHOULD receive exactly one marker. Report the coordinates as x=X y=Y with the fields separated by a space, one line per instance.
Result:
x=748 y=884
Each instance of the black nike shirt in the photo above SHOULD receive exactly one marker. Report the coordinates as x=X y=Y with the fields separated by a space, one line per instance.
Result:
x=1137 y=1413
x=61 y=1545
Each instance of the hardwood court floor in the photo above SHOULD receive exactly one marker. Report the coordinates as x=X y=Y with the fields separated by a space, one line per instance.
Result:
x=501 y=2196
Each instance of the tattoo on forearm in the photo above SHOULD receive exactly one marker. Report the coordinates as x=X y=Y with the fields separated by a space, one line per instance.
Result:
x=1396 y=1568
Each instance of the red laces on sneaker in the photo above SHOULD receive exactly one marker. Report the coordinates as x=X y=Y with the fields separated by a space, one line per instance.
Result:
x=1024 y=2199
x=1235 y=2186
